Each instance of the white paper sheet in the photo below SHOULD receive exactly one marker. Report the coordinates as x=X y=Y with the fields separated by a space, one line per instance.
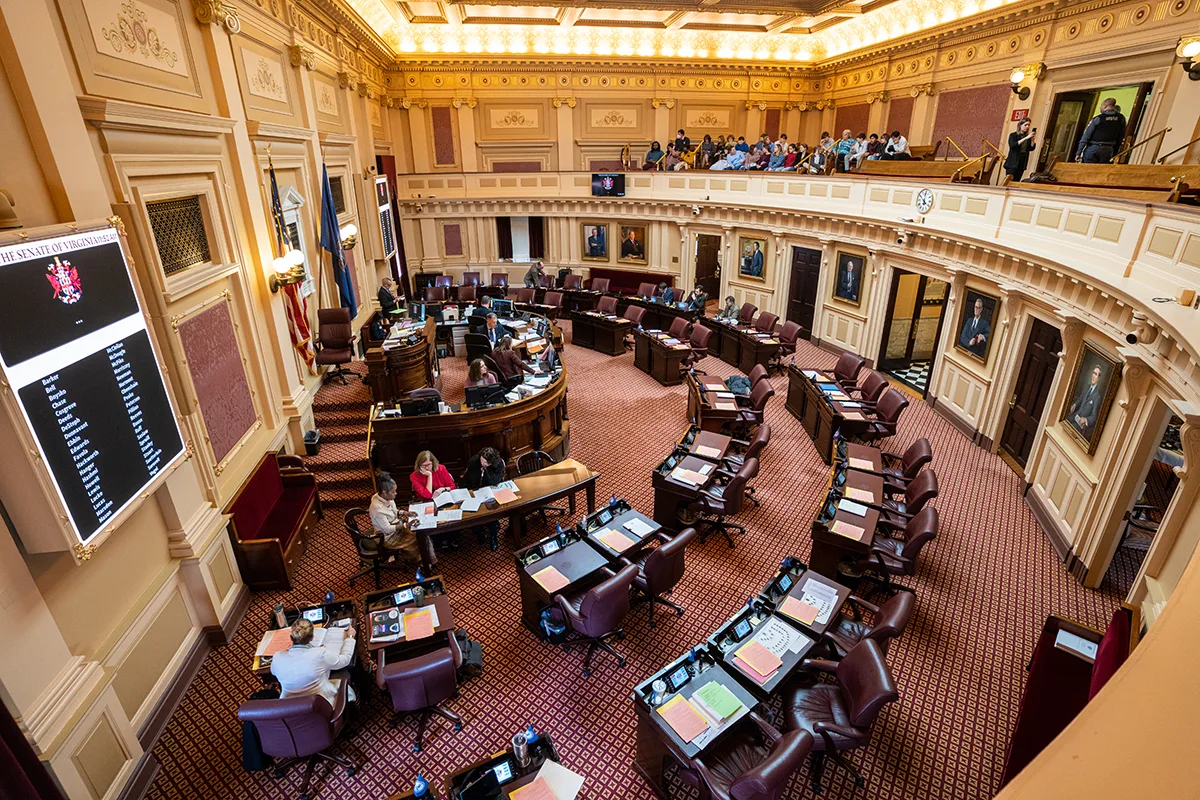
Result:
x=449 y=515
x=638 y=527
x=563 y=782
x=471 y=505
x=459 y=495
x=443 y=499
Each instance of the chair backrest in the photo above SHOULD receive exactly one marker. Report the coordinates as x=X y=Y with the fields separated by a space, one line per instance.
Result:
x=866 y=683
x=466 y=294
x=700 y=337
x=766 y=322
x=757 y=374
x=546 y=282
x=442 y=280
x=435 y=294
x=664 y=568
x=499 y=279
x=607 y=305
x=918 y=454
x=425 y=391
x=554 y=299
x=889 y=405
x=873 y=384
x=573 y=282
x=790 y=332
x=364 y=543
x=679 y=328
x=604 y=606
x=333 y=326
x=599 y=284
x=920 y=491
x=472 y=279
x=525 y=295
x=892 y=618
x=735 y=489
x=646 y=289
x=420 y=682
x=634 y=314
x=760 y=394
x=759 y=442
x=747 y=313
x=769 y=778
x=847 y=367
x=533 y=461
x=919 y=531
x=477 y=346
x=292 y=727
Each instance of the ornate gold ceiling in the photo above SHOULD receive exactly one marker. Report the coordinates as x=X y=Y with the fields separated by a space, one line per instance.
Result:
x=800 y=31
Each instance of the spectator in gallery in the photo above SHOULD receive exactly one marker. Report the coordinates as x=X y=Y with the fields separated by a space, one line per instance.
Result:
x=843 y=150
x=776 y=162
x=733 y=159
x=760 y=157
x=704 y=161
x=672 y=160
x=1020 y=143
x=653 y=156
x=896 y=148
x=742 y=145
x=860 y=151
x=826 y=141
x=874 y=147
x=818 y=161
x=682 y=142
x=790 y=158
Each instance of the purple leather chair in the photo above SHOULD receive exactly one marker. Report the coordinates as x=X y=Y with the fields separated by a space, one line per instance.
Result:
x=716 y=502
x=872 y=386
x=471 y=279
x=899 y=472
x=766 y=322
x=888 y=621
x=733 y=462
x=500 y=280
x=299 y=729
x=444 y=281
x=634 y=314
x=435 y=294
x=422 y=684
x=466 y=293
x=659 y=569
x=752 y=409
x=607 y=305
x=888 y=408
x=758 y=373
x=647 y=289
x=596 y=614
x=572 y=282
x=546 y=282
x=525 y=295
x=746 y=315
x=890 y=557
x=697 y=347
x=679 y=328
x=839 y=715
x=335 y=340
x=789 y=334
x=845 y=371
x=754 y=762
x=895 y=514
x=600 y=285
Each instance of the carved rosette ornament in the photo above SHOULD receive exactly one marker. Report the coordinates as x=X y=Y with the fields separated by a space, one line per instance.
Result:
x=302 y=56
x=214 y=12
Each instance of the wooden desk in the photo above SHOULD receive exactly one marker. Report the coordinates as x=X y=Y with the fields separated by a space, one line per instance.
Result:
x=726 y=341
x=672 y=496
x=732 y=636
x=578 y=562
x=859 y=481
x=657 y=316
x=820 y=416
x=828 y=547
x=661 y=361
x=401 y=648
x=597 y=332
x=330 y=612
x=863 y=452
x=542 y=751
x=577 y=300
x=797 y=591
x=710 y=442
x=704 y=409
x=657 y=743
x=617 y=523
x=756 y=348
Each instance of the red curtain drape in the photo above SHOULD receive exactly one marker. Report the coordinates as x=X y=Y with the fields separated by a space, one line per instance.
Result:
x=24 y=777
x=537 y=237
x=504 y=237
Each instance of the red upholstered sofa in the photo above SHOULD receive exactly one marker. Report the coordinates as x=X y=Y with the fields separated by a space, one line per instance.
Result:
x=270 y=520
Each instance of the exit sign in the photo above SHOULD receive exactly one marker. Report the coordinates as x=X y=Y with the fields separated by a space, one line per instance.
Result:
x=1019 y=114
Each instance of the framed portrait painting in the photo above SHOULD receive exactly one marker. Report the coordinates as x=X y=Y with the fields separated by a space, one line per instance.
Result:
x=847 y=280
x=1093 y=386
x=752 y=258
x=976 y=323
x=633 y=244
x=595 y=241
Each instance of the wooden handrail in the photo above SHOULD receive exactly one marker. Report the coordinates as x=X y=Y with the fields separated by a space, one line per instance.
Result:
x=957 y=172
x=989 y=144
x=961 y=152
x=1136 y=145
x=1163 y=159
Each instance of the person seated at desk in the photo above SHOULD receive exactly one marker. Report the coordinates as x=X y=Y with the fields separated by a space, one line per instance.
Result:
x=507 y=360
x=478 y=374
x=730 y=312
x=697 y=299
x=387 y=297
x=485 y=468
x=484 y=308
x=305 y=670
x=386 y=519
x=429 y=478
x=495 y=331
x=666 y=294
x=534 y=275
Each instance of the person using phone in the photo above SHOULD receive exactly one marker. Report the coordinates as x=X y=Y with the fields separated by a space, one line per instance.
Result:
x=1020 y=143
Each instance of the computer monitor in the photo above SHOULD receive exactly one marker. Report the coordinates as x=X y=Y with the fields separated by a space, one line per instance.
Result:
x=503 y=308
x=608 y=184
x=478 y=396
x=418 y=406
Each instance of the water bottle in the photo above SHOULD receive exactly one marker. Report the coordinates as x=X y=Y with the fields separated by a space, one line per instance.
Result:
x=280 y=617
x=329 y=596
x=612 y=501
x=420 y=576
x=421 y=788
x=531 y=736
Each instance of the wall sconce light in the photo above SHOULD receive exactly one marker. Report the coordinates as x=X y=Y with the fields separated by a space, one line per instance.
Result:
x=1021 y=74
x=287 y=270
x=349 y=236
x=1188 y=51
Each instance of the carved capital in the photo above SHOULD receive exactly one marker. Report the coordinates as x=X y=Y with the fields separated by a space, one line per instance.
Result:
x=364 y=90
x=469 y=102
x=761 y=105
x=214 y=12
x=569 y=102
x=347 y=80
x=821 y=105
x=302 y=56
x=924 y=88
x=803 y=105
x=405 y=103
x=669 y=102
x=874 y=97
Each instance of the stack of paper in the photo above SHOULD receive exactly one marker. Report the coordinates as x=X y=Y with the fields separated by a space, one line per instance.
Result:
x=820 y=596
x=861 y=495
x=799 y=610
x=854 y=415
x=563 y=782
x=419 y=624
x=550 y=579
x=721 y=406
x=861 y=463
x=688 y=476
x=615 y=540
x=704 y=451
x=449 y=515
x=638 y=527
x=851 y=507
x=503 y=496
x=538 y=789
x=842 y=528
x=274 y=641
x=683 y=718
x=717 y=701
x=757 y=661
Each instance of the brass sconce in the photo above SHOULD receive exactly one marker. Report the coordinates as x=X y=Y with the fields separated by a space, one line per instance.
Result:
x=349 y=236
x=287 y=270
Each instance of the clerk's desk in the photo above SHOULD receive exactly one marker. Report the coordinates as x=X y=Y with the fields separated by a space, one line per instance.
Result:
x=403 y=361
x=339 y=613
x=604 y=333
x=658 y=355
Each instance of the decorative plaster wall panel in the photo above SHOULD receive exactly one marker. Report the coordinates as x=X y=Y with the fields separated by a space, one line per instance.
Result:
x=214 y=361
x=142 y=32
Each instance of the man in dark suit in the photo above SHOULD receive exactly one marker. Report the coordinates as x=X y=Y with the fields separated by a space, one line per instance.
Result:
x=387 y=298
x=484 y=308
x=847 y=287
x=631 y=247
x=975 y=331
x=753 y=262
x=595 y=245
x=495 y=331
x=1086 y=406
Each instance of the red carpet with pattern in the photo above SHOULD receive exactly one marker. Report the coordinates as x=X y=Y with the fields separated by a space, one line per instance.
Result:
x=985 y=586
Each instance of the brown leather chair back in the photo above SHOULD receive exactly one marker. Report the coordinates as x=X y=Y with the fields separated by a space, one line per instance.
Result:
x=735 y=490
x=607 y=305
x=525 y=295
x=920 y=491
x=435 y=294
x=334 y=329
x=665 y=566
x=366 y=544
x=892 y=618
x=573 y=282
x=420 y=682
x=472 y=279
x=604 y=606
x=758 y=374
x=918 y=454
x=646 y=289
x=889 y=405
x=760 y=394
x=789 y=334
x=759 y=442
x=866 y=683
x=634 y=314
x=443 y=281
x=554 y=299
x=919 y=531
x=292 y=727
x=766 y=322
x=466 y=294
x=747 y=313
x=700 y=337
x=546 y=282
x=600 y=284
x=500 y=279
x=679 y=328
x=873 y=384
x=769 y=778
x=847 y=367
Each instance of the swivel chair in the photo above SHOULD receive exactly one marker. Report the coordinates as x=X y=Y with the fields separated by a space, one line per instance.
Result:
x=715 y=503
x=596 y=614
x=335 y=341
x=659 y=570
x=754 y=762
x=422 y=684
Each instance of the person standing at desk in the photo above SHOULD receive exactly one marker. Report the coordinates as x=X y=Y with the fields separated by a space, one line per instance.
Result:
x=485 y=468
x=387 y=297
x=395 y=530
x=534 y=275
x=478 y=374
x=305 y=670
x=495 y=331
x=666 y=293
x=507 y=360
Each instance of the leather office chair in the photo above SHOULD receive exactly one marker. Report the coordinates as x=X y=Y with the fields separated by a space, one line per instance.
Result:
x=425 y=391
x=373 y=557
x=789 y=334
x=421 y=684
x=596 y=614
x=299 y=729
x=754 y=762
x=444 y=281
x=466 y=294
x=500 y=280
x=887 y=416
x=525 y=295
x=746 y=315
x=752 y=409
x=888 y=621
x=758 y=373
x=717 y=502
x=766 y=322
x=335 y=340
x=546 y=282
x=554 y=299
x=890 y=557
x=839 y=715
x=472 y=279
x=600 y=285
x=634 y=314
x=435 y=294
x=846 y=370
x=607 y=305
x=899 y=472
x=478 y=346
x=532 y=462
x=873 y=385
x=646 y=289
x=572 y=282
x=697 y=347
x=750 y=449
x=679 y=328
x=895 y=513
x=659 y=570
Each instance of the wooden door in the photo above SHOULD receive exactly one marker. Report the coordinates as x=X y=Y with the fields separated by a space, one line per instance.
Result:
x=1031 y=391
x=708 y=267
x=802 y=303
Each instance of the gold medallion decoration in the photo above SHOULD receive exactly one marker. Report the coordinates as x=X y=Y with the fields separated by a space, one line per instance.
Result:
x=130 y=33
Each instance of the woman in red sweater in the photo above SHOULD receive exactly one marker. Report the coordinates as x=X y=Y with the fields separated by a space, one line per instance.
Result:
x=429 y=478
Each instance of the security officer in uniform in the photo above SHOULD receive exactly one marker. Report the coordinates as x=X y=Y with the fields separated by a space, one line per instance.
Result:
x=1102 y=135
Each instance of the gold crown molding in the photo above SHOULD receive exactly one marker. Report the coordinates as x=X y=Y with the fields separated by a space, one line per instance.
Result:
x=214 y=12
x=302 y=56
x=341 y=19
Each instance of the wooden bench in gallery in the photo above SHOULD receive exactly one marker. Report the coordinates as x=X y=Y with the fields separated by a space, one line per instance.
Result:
x=935 y=171
x=1148 y=183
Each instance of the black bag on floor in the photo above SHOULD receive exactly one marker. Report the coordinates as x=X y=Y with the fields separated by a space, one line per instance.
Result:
x=472 y=653
x=253 y=758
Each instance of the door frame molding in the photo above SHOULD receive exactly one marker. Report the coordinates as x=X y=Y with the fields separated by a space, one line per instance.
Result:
x=823 y=262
